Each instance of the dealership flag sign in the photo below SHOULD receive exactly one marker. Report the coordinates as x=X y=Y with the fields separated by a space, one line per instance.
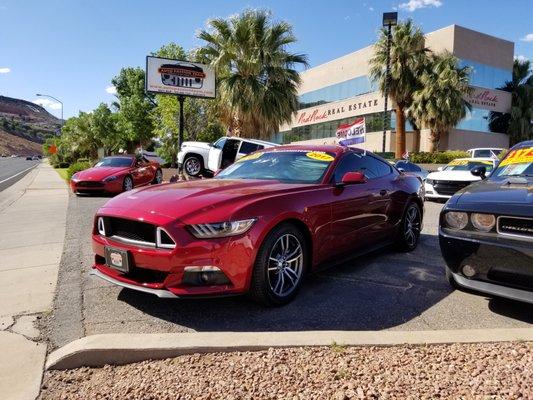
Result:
x=181 y=78
x=353 y=133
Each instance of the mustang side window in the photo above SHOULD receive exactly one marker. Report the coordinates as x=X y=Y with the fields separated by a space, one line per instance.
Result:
x=370 y=166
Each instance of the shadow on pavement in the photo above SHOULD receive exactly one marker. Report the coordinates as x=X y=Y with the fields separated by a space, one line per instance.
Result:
x=512 y=309
x=373 y=292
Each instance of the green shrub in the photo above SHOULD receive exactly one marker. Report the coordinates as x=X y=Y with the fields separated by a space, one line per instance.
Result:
x=63 y=164
x=76 y=167
x=83 y=160
x=388 y=155
x=441 y=157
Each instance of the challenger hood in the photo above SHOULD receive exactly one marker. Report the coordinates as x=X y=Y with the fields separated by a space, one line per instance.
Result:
x=211 y=199
x=511 y=195
x=99 y=173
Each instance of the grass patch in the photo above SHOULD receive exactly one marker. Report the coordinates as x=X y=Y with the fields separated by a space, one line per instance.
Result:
x=62 y=173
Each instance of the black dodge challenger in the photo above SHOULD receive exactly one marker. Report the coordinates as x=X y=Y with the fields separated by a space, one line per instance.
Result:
x=486 y=230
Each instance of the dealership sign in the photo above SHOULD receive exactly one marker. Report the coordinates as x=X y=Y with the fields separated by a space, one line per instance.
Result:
x=353 y=133
x=490 y=99
x=182 y=78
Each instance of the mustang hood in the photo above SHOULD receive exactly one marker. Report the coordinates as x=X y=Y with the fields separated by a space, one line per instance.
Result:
x=189 y=201
x=512 y=196
x=99 y=173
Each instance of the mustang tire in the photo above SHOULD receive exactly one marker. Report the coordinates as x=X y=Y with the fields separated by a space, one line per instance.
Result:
x=280 y=266
x=158 y=178
x=127 y=184
x=409 y=230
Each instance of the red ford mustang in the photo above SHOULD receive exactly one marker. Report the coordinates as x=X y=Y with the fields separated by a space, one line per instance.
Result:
x=259 y=226
x=116 y=174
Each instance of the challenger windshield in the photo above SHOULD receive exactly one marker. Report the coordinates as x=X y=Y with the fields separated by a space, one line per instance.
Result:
x=290 y=166
x=467 y=165
x=114 y=162
x=518 y=162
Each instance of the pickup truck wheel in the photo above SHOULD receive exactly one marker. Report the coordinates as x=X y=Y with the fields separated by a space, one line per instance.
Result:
x=193 y=165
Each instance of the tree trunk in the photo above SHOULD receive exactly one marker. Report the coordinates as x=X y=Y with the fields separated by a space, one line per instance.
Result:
x=416 y=142
x=400 y=132
x=435 y=138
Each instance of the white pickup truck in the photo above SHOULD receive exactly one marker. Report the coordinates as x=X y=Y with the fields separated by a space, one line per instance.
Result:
x=199 y=157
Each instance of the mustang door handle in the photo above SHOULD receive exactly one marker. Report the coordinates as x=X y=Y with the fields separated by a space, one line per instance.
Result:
x=382 y=192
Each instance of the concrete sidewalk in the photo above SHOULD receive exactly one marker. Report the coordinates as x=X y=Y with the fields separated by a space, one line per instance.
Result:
x=32 y=221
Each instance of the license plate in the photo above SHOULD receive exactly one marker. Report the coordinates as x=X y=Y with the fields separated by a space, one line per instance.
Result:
x=117 y=259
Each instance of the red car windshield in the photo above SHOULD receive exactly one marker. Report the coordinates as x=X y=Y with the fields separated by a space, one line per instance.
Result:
x=114 y=162
x=290 y=166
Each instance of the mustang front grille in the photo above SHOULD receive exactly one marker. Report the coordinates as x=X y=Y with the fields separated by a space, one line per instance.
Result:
x=515 y=226
x=137 y=233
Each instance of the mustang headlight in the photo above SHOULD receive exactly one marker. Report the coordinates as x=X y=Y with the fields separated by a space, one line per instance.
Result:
x=456 y=220
x=483 y=222
x=221 y=229
x=110 y=178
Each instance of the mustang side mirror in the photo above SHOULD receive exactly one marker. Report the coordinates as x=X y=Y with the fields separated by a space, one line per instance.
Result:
x=353 y=177
x=479 y=171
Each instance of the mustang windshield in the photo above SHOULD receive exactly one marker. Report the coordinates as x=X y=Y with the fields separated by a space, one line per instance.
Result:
x=518 y=162
x=114 y=162
x=467 y=165
x=284 y=166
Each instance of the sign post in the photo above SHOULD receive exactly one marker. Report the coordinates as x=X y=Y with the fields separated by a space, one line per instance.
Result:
x=180 y=78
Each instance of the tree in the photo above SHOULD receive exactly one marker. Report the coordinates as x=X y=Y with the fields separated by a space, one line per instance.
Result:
x=439 y=103
x=104 y=128
x=407 y=53
x=517 y=124
x=135 y=107
x=257 y=76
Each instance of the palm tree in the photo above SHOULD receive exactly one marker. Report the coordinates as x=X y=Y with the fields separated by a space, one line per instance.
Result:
x=439 y=104
x=257 y=79
x=518 y=123
x=407 y=53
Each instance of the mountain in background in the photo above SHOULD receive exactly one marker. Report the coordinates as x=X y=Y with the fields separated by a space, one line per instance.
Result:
x=24 y=126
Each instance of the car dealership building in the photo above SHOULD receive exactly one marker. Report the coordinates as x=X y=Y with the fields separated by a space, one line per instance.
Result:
x=340 y=90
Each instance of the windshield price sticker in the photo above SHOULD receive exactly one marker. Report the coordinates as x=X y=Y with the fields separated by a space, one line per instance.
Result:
x=458 y=162
x=254 y=156
x=519 y=156
x=319 y=156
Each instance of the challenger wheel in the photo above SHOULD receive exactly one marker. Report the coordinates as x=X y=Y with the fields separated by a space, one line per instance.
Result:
x=192 y=166
x=127 y=184
x=280 y=266
x=410 y=227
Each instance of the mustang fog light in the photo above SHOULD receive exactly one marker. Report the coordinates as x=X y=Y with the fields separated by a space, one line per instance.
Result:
x=204 y=275
x=483 y=222
x=456 y=220
x=469 y=271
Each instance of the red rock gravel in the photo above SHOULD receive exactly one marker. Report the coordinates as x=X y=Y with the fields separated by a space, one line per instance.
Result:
x=466 y=371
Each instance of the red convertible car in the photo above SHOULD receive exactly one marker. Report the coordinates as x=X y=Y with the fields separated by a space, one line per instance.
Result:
x=116 y=174
x=259 y=226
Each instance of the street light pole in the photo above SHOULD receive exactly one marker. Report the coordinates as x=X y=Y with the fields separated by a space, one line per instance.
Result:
x=59 y=101
x=389 y=20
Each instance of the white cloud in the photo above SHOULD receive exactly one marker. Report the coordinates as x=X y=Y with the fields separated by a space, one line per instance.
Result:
x=413 y=5
x=521 y=57
x=5 y=70
x=111 y=89
x=47 y=103
x=528 y=38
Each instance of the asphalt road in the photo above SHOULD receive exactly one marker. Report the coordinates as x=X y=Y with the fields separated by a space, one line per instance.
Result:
x=13 y=169
x=385 y=290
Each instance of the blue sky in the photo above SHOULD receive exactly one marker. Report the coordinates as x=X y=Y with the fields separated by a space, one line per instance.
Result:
x=71 y=49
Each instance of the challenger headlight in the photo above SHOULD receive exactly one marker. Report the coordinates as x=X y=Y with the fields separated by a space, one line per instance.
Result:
x=483 y=222
x=221 y=229
x=456 y=220
x=110 y=178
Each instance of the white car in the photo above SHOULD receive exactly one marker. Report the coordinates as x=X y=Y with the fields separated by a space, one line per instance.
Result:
x=455 y=176
x=485 y=152
x=197 y=157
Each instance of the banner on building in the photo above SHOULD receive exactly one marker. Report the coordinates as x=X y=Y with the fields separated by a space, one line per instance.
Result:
x=353 y=133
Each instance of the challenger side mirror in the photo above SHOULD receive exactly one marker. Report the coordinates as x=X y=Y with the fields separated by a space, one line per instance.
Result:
x=479 y=171
x=353 y=177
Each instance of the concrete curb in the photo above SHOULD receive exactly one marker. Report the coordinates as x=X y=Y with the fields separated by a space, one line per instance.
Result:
x=118 y=349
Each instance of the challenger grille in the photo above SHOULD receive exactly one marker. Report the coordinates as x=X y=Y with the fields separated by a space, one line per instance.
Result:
x=137 y=232
x=449 y=188
x=515 y=226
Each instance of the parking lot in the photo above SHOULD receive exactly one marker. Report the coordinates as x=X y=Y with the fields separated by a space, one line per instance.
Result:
x=385 y=290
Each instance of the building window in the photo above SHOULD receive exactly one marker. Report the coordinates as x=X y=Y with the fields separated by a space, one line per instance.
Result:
x=486 y=76
x=338 y=91
x=478 y=120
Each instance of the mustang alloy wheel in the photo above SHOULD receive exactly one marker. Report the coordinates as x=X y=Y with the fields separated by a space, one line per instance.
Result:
x=192 y=166
x=410 y=227
x=280 y=266
x=127 y=184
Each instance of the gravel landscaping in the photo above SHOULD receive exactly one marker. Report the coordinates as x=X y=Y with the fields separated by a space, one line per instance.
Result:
x=469 y=371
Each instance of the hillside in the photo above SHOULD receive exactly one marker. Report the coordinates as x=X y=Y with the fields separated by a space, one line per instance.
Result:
x=27 y=120
x=11 y=144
